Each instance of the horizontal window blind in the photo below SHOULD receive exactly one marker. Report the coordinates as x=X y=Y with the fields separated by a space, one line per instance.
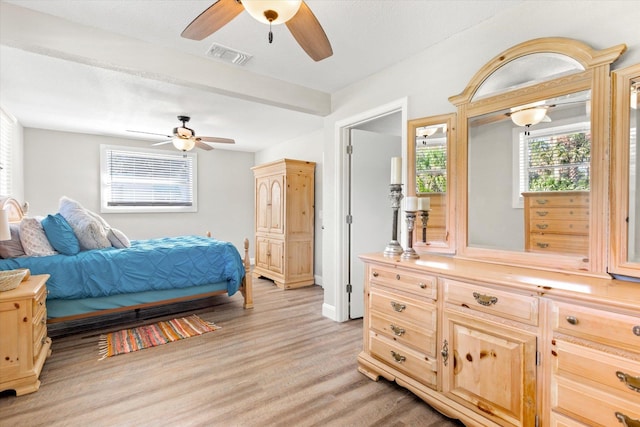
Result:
x=7 y=129
x=148 y=178
x=431 y=166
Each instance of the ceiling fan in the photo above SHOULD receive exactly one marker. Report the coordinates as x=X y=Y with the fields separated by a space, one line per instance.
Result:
x=527 y=115
x=185 y=139
x=302 y=23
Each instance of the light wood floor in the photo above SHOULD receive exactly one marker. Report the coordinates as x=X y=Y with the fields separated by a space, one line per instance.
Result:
x=280 y=364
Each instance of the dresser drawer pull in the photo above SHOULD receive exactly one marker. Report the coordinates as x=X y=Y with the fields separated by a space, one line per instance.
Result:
x=572 y=320
x=397 y=306
x=542 y=226
x=398 y=357
x=397 y=277
x=636 y=330
x=397 y=330
x=626 y=421
x=542 y=245
x=541 y=201
x=542 y=213
x=374 y=274
x=631 y=382
x=485 y=300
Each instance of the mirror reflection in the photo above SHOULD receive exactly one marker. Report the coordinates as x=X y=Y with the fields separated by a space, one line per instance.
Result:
x=634 y=177
x=529 y=177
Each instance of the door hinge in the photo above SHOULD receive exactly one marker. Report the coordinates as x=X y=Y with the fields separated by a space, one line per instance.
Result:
x=349 y=219
x=349 y=149
x=537 y=421
x=349 y=288
x=538 y=358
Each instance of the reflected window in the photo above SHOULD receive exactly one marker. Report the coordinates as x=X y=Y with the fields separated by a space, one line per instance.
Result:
x=431 y=159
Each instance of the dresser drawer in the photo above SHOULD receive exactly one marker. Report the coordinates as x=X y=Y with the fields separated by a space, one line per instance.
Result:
x=39 y=302
x=580 y=227
x=557 y=199
x=403 y=309
x=558 y=420
x=39 y=338
x=419 y=284
x=611 y=328
x=523 y=308
x=609 y=370
x=571 y=244
x=592 y=406
x=418 y=337
x=573 y=214
x=412 y=363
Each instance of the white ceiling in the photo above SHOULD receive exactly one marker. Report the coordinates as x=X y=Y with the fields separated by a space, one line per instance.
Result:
x=106 y=66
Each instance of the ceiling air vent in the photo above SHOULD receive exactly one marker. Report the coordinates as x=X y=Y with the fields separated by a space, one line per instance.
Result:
x=226 y=54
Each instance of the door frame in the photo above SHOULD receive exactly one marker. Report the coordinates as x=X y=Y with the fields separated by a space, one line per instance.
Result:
x=341 y=236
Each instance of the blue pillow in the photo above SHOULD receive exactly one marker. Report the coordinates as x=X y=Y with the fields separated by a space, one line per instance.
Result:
x=60 y=234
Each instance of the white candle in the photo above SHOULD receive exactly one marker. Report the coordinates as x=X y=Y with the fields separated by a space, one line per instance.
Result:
x=396 y=170
x=411 y=204
x=424 y=203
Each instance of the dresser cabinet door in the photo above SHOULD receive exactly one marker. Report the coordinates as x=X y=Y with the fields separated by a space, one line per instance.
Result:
x=490 y=368
x=15 y=340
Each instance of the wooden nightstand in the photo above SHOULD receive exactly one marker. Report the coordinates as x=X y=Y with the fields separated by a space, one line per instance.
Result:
x=24 y=345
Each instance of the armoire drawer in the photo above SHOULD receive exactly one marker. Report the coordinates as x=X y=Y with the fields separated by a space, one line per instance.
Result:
x=404 y=359
x=402 y=308
x=417 y=336
x=523 y=308
x=419 y=284
x=615 y=329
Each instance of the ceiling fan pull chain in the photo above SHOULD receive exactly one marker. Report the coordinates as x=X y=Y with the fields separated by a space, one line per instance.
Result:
x=270 y=34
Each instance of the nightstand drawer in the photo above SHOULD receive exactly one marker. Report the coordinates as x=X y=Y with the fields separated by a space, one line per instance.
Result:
x=573 y=214
x=560 y=227
x=558 y=199
x=606 y=327
x=403 y=309
x=420 y=338
x=423 y=285
x=565 y=243
x=523 y=308
x=402 y=358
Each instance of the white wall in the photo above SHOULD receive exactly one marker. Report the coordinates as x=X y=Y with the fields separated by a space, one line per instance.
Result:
x=308 y=148
x=431 y=77
x=68 y=164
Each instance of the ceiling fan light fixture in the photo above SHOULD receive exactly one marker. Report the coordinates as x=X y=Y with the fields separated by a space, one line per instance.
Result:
x=529 y=116
x=272 y=11
x=184 y=144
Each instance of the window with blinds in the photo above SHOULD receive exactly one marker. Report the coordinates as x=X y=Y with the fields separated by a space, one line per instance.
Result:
x=556 y=158
x=431 y=165
x=7 y=131
x=146 y=180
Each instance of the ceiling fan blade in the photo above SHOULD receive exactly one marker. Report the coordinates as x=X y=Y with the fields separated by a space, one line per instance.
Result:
x=160 y=143
x=212 y=19
x=202 y=145
x=308 y=32
x=216 y=139
x=150 y=133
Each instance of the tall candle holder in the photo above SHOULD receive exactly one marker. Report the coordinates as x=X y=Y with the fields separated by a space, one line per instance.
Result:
x=424 y=218
x=410 y=253
x=393 y=247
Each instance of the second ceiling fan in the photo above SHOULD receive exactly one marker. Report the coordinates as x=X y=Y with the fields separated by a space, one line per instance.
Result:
x=300 y=21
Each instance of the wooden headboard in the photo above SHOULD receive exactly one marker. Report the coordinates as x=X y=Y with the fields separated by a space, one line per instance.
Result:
x=16 y=213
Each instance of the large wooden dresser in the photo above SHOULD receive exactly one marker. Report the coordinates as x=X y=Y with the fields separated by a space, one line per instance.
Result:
x=284 y=222
x=557 y=221
x=495 y=345
x=24 y=345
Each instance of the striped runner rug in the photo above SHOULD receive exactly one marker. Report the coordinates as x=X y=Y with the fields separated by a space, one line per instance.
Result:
x=141 y=337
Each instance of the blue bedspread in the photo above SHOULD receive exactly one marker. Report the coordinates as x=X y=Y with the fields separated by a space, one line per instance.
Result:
x=154 y=264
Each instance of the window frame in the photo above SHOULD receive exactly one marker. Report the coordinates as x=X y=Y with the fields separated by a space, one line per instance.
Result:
x=105 y=184
x=7 y=143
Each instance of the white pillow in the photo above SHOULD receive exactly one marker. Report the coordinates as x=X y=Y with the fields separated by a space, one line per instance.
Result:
x=90 y=232
x=34 y=241
x=118 y=239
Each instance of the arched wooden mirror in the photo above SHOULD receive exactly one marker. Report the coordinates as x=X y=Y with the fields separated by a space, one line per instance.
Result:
x=625 y=212
x=531 y=160
x=429 y=155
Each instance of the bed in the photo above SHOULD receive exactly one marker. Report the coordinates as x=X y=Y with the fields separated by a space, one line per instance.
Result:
x=145 y=274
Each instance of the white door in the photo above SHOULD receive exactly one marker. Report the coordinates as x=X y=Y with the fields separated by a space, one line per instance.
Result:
x=371 y=212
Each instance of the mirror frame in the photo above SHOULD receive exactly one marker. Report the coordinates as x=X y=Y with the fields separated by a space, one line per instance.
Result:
x=595 y=77
x=448 y=245
x=621 y=86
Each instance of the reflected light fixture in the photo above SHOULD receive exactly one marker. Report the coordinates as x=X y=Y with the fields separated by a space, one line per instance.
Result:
x=272 y=12
x=528 y=115
x=426 y=131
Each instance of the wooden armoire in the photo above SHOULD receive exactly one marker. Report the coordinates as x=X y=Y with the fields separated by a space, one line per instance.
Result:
x=284 y=222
